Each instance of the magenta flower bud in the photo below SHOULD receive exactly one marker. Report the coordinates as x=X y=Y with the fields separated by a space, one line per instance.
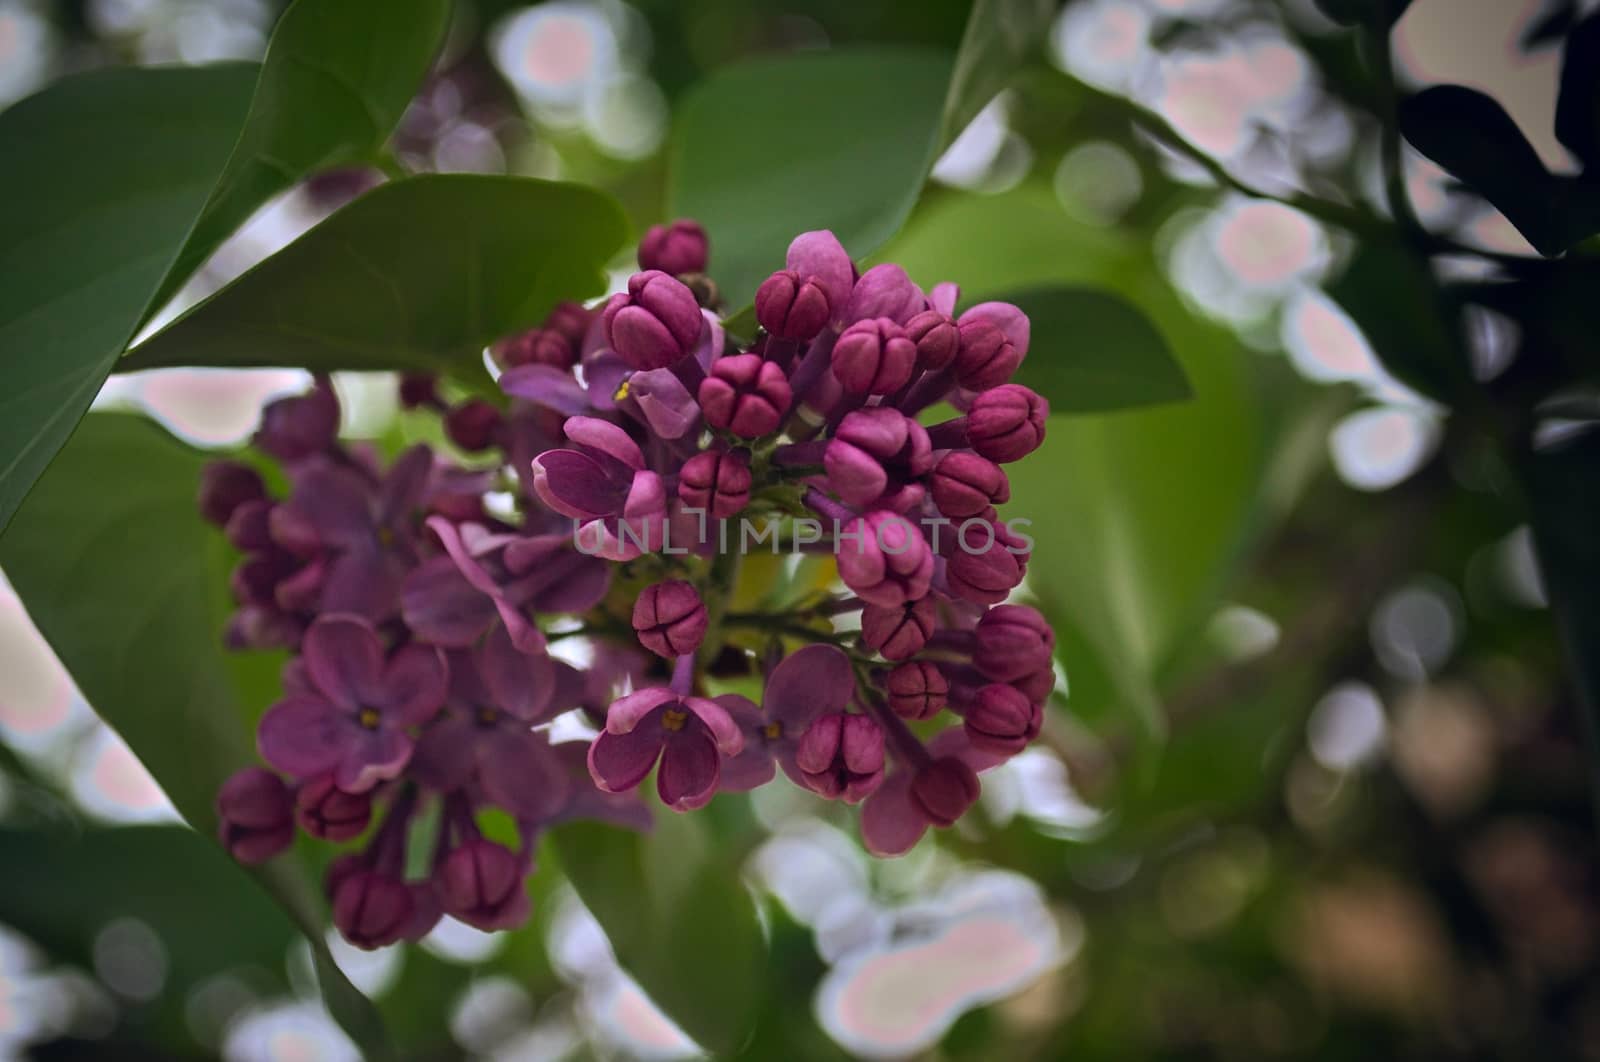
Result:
x=875 y=453
x=250 y=528
x=1007 y=423
x=898 y=632
x=985 y=562
x=371 y=909
x=540 y=346
x=841 y=756
x=937 y=338
x=873 y=357
x=570 y=320
x=884 y=558
x=1012 y=641
x=964 y=484
x=1036 y=685
x=943 y=790
x=792 y=307
x=481 y=883
x=678 y=247
x=474 y=425
x=328 y=812
x=654 y=323
x=297 y=427
x=418 y=390
x=1002 y=720
x=226 y=485
x=884 y=291
x=669 y=618
x=717 y=482
x=745 y=395
x=986 y=358
x=917 y=689
x=255 y=816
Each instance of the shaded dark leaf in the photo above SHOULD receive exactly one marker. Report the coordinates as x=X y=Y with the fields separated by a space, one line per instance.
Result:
x=1000 y=35
x=1384 y=13
x=1578 y=106
x=1389 y=291
x=417 y=274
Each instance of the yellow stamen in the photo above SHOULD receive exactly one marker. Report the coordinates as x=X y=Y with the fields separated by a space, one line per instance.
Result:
x=487 y=715
x=385 y=536
x=368 y=717
x=774 y=731
x=673 y=720
x=622 y=392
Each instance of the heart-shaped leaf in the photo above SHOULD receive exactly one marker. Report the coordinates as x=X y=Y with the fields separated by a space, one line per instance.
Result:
x=130 y=588
x=1094 y=352
x=419 y=273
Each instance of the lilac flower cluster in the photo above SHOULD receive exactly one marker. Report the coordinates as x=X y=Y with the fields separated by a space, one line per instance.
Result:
x=420 y=616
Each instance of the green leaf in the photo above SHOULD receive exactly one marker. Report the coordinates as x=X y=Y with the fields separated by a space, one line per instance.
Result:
x=1389 y=290
x=104 y=175
x=1471 y=136
x=1138 y=516
x=1000 y=35
x=839 y=140
x=679 y=920
x=1578 y=105
x=1381 y=13
x=1094 y=352
x=419 y=273
x=337 y=76
x=130 y=589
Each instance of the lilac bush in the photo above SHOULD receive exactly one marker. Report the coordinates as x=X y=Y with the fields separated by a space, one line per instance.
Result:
x=642 y=443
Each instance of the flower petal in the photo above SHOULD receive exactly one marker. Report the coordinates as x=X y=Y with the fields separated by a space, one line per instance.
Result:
x=521 y=773
x=618 y=762
x=891 y=825
x=446 y=752
x=605 y=437
x=364 y=581
x=403 y=488
x=725 y=732
x=820 y=254
x=547 y=386
x=807 y=683
x=689 y=771
x=667 y=405
x=374 y=756
x=305 y=736
x=1006 y=317
x=336 y=501
x=627 y=712
x=344 y=659
x=414 y=684
x=440 y=605
x=519 y=684
x=574 y=484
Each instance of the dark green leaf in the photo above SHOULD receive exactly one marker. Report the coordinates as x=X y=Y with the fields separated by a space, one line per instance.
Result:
x=1471 y=136
x=336 y=78
x=418 y=273
x=1000 y=35
x=129 y=587
x=1381 y=13
x=835 y=140
x=1578 y=106
x=1094 y=352
x=1390 y=292
x=679 y=919
x=104 y=175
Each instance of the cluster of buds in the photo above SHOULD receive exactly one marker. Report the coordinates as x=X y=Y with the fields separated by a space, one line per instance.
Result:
x=630 y=438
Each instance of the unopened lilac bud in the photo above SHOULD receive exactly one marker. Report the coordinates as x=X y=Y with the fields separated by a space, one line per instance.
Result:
x=884 y=558
x=917 y=689
x=840 y=756
x=790 y=306
x=986 y=358
x=1007 y=423
x=716 y=482
x=1012 y=641
x=569 y=320
x=964 y=484
x=328 y=812
x=669 y=618
x=678 y=247
x=874 y=452
x=540 y=346
x=655 y=322
x=255 y=816
x=873 y=357
x=898 y=632
x=300 y=426
x=226 y=485
x=371 y=909
x=937 y=338
x=249 y=529
x=985 y=562
x=418 y=390
x=884 y=291
x=474 y=425
x=745 y=395
x=1002 y=720
x=1036 y=685
x=481 y=883
x=944 y=789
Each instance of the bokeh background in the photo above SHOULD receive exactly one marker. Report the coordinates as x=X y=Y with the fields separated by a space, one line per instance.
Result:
x=1314 y=785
